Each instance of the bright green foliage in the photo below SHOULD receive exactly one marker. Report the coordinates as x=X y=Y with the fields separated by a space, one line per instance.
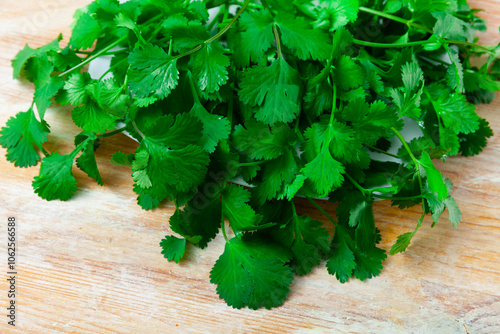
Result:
x=307 y=239
x=21 y=136
x=260 y=141
x=210 y=68
x=407 y=100
x=55 y=180
x=296 y=98
x=152 y=72
x=215 y=127
x=28 y=53
x=273 y=90
x=252 y=272
x=304 y=41
x=173 y=248
x=240 y=215
x=86 y=162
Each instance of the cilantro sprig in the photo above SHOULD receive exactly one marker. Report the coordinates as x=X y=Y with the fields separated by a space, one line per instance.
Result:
x=295 y=98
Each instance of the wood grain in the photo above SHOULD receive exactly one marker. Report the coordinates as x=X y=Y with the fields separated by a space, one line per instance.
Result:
x=93 y=264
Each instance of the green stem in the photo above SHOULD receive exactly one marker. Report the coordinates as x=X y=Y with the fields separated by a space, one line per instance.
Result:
x=226 y=28
x=79 y=148
x=112 y=133
x=415 y=161
x=111 y=68
x=334 y=103
x=389 y=45
x=373 y=148
x=217 y=17
x=137 y=129
x=395 y=18
x=313 y=202
x=253 y=163
x=278 y=40
x=397 y=198
x=223 y=226
x=266 y=6
x=88 y=60
x=357 y=185
x=193 y=88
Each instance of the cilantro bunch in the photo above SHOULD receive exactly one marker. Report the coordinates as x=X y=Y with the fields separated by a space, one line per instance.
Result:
x=292 y=97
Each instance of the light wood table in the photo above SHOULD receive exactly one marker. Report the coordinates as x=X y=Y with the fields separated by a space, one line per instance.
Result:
x=93 y=264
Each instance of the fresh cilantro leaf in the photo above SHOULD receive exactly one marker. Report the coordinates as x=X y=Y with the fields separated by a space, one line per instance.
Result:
x=173 y=248
x=474 y=142
x=55 y=180
x=44 y=94
x=122 y=159
x=338 y=13
x=324 y=172
x=402 y=242
x=92 y=118
x=210 y=68
x=257 y=37
x=407 y=103
x=87 y=162
x=185 y=34
x=307 y=239
x=348 y=74
x=252 y=273
x=215 y=127
x=259 y=141
x=433 y=176
x=85 y=31
x=304 y=41
x=241 y=216
x=21 y=136
x=28 y=53
x=273 y=90
x=77 y=88
x=185 y=130
x=457 y=114
x=152 y=72
x=200 y=219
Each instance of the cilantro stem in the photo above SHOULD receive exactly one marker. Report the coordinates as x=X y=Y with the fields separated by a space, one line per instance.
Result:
x=253 y=163
x=389 y=45
x=226 y=28
x=395 y=18
x=112 y=133
x=223 y=226
x=334 y=104
x=373 y=148
x=313 y=202
x=415 y=161
x=266 y=6
x=98 y=54
x=434 y=106
x=137 y=129
x=111 y=68
x=357 y=185
x=278 y=40
x=216 y=19
x=194 y=91
x=397 y=198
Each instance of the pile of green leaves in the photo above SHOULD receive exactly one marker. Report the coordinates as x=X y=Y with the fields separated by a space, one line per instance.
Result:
x=289 y=96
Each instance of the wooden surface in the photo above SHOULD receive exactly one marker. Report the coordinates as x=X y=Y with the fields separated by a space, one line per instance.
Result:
x=93 y=264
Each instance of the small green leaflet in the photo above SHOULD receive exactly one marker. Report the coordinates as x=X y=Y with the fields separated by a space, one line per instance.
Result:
x=273 y=90
x=408 y=102
x=173 y=248
x=152 y=72
x=215 y=127
x=252 y=273
x=210 y=68
x=260 y=141
x=21 y=136
x=307 y=239
x=55 y=180
x=27 y=53
x=87 y=162
x=240 y=215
